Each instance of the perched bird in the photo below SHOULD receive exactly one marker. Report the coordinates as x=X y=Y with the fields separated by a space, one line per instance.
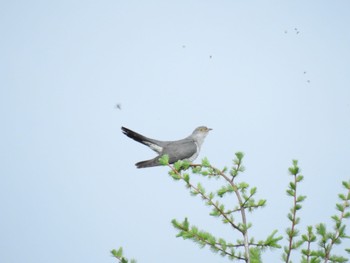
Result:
x=185 y=149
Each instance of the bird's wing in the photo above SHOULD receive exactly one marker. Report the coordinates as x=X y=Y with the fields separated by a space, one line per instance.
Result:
x=180 y=150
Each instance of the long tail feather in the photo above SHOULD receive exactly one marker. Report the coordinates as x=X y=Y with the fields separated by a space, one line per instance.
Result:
x=134 y=135
x=155 y=145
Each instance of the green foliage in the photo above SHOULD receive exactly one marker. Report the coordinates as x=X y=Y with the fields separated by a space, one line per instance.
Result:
x=118 y=254
x=292 y=232
x=325 y=240
x=237 y=168
x=164 y=160
x=315 y=245
x=236 y=218
x=205 y=162
x=328 y=239
x=255 y=255
x=181 y=165
x=225 y=189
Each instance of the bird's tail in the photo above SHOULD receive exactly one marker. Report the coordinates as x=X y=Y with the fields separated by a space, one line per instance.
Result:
x=148 y=163
x=155 y=145
x=134 y=135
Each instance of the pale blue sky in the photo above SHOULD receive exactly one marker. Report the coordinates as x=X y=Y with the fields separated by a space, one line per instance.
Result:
x=69 y=189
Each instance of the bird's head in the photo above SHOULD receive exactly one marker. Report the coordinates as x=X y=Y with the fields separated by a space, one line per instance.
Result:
x=201 y=131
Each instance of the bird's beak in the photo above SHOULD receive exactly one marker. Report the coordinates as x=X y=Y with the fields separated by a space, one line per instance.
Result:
x=209 y=129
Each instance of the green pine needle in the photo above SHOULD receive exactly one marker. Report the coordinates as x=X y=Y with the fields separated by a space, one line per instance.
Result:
x=164 y=160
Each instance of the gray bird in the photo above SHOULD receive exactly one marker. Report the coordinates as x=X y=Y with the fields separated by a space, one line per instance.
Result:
x=185 y=149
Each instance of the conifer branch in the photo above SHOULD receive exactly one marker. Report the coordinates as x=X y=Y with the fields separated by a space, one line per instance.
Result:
x=199 y=190
x=292 y=232
x=245 y=249
x=245 y=201
x=330 y=239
